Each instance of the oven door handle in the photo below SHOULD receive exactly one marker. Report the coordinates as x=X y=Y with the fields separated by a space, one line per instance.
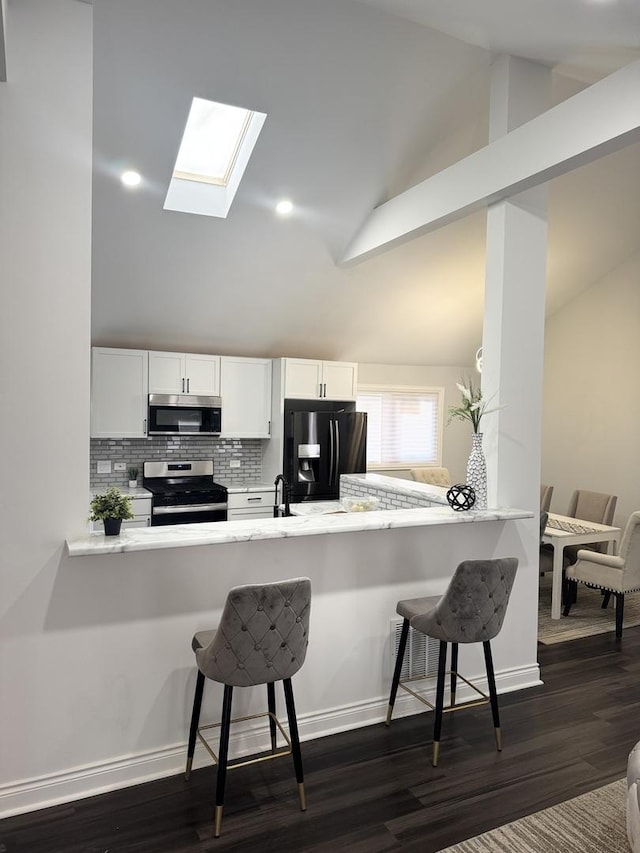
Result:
x=175 y=510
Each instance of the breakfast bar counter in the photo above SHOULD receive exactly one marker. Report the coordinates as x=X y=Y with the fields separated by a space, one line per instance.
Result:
x=315 y=523
x=174 y=581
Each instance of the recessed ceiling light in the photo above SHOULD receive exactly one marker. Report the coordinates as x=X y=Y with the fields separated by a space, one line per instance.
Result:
x=284 y=207
x=130 y=178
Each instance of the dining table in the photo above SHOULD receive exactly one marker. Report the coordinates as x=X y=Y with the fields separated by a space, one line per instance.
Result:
x=561 y=531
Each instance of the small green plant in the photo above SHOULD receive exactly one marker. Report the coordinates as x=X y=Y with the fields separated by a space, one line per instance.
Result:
x=133 y=473
x=110 y=504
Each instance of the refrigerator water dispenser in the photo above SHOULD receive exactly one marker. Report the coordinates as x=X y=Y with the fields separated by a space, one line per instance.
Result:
x=308 y=462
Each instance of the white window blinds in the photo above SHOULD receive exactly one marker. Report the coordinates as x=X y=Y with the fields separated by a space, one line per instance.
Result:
x=404 y=426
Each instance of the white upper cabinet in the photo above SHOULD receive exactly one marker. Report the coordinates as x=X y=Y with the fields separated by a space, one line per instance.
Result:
x=306 y=379
x=339 y=380
x=184 y=373
x=245 y=390
x=118 y=393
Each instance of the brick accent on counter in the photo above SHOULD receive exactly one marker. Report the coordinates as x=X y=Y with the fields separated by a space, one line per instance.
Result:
x=388 y=500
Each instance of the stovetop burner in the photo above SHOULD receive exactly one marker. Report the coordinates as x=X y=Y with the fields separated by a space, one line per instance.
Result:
x=203 y=485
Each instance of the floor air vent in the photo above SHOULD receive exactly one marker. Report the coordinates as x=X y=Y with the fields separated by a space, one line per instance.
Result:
x=421 y=654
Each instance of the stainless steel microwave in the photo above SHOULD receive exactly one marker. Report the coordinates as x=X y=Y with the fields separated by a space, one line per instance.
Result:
x=184 y=414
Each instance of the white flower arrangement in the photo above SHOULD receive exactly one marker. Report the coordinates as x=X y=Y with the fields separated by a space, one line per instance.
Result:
x=473 y=406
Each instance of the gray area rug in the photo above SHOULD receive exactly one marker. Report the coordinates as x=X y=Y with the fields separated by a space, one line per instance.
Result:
x=586 y=617
x=591 y=823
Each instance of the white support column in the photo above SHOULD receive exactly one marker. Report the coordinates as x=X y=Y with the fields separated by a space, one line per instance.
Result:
x=513 y=335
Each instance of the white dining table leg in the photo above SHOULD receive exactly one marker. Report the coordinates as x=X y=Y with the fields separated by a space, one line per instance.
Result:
x=556 y=588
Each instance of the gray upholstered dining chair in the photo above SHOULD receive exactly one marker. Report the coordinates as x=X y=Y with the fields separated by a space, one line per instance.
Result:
x=590 y=506
x=616 y=575
x=262 y=638
x=431 y=476
x=471 y=610
x=546 y=493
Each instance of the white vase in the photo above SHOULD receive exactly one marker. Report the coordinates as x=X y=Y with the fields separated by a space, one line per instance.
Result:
x=477 y=472
x=133 y=484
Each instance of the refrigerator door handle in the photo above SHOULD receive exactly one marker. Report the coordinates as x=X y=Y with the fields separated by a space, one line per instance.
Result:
x=336 y=457
x=332 y=452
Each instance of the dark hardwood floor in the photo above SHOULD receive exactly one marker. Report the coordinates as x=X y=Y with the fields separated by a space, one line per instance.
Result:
x=374 y=790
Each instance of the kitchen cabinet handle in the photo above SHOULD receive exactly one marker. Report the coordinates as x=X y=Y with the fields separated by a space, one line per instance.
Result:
x=253 y=499
x=325 y=390
x=183 y=384
x=144 y=426
x=188 y=381
x=269 y=429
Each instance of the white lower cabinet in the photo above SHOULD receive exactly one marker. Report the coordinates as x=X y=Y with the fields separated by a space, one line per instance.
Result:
x=257 y=504
x=141 y=508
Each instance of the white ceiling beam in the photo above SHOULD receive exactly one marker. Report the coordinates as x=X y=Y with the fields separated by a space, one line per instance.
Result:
x=585 y=127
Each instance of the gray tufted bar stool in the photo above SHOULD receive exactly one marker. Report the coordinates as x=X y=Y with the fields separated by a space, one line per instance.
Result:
x=262 y=638
x=471 y=610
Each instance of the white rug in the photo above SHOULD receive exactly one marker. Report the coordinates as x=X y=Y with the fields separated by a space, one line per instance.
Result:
x=591 y=823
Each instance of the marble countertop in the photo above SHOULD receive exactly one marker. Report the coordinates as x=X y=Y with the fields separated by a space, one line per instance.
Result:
x=239 y=488
x=138 y=492
x=185 y=535
x=311 y=508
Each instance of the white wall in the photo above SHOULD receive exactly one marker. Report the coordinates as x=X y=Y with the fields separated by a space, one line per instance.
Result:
x=45 y=228
x=591 y=407
x=456 y=436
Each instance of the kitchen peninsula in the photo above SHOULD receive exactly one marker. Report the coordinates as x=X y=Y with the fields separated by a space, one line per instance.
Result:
x=312 y=524
x=360 y=564
x=403 y=503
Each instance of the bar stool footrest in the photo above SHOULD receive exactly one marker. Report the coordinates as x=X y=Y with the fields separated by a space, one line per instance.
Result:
x=280 y=753
x=471 y=703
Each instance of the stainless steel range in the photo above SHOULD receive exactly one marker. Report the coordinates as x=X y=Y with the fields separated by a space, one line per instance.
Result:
x=184 y=493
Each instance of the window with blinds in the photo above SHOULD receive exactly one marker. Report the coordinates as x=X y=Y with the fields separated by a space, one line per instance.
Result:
x=404 y=426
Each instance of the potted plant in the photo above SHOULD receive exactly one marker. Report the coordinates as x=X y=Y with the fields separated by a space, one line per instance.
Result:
x=133 y=477
x=111 y=507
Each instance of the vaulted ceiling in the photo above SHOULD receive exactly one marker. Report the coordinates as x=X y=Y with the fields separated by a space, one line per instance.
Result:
x=363 y=99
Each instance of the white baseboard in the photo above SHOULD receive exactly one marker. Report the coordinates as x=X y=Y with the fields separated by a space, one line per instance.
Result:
x=78 y=783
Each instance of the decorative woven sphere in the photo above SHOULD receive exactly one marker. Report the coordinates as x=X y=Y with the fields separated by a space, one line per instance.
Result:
x=461 y=497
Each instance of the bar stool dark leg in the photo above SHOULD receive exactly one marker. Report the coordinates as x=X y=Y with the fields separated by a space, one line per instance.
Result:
x=295 y=741
x=195 y=718
x=225 y=726
x=493 y=694
x=397 y=669
x=606 y=598
x=454 y=672
x=437 y=722
x=271 y=700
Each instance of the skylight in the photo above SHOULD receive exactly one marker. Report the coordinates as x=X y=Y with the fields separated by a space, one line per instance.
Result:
x=216 y=145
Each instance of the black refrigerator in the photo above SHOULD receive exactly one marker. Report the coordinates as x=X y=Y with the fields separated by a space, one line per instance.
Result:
x=322 y=439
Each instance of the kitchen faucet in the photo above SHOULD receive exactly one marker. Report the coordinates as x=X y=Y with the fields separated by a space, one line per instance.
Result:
x=286 y=496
